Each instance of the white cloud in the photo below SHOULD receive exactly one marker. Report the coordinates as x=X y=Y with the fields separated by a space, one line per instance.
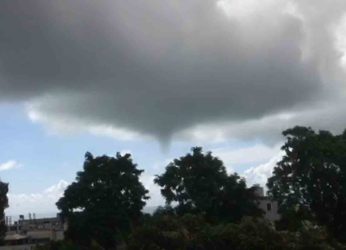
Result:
x=340 y=39
x=56 y=191
x=156 y=198
x=246 y=155
x=72 y=125
x=259 y=174
x=38 y=203
x=243 y=10
x=9 y=165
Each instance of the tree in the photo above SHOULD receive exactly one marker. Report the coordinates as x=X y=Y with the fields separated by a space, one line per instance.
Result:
x=199 y=183
x=311 y=177
x=3 y=206
x=104 y=201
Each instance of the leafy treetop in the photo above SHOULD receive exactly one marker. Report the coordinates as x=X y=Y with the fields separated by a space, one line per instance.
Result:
x=312 y=176
x=105 y=199
x=199 y=183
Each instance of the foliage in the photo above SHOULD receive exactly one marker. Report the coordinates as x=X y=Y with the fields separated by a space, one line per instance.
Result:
x=192 y=232
x=199 y=183
x=104 y=201
x=166 y=210
x=59 y=245
x=249 y=234
x=311 y=178
x=3 y=205
x=258 y=234
x=66 y=245
x=169 y=232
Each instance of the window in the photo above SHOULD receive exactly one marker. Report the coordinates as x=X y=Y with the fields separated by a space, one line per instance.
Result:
x=269 y=206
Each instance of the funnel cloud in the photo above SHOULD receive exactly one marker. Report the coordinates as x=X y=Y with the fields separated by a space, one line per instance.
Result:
x=168 y=69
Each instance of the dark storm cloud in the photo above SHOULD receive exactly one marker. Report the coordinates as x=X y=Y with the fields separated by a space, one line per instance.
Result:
x=155 y=67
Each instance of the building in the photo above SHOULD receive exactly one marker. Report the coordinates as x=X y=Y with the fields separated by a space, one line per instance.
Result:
x=26 y=233
x=269 y=206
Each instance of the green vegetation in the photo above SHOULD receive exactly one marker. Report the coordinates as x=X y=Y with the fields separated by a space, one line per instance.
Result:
x=310 y=180
x=199 y=183
x=192 y=232
x=104 y=202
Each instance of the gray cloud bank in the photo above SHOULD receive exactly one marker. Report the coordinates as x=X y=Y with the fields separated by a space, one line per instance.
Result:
x=162 y=68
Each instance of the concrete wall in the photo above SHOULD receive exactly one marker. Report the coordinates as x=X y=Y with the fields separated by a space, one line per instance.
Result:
x=270 y=209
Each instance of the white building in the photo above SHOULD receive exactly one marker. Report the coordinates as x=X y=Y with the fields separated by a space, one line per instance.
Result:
x=267 y=205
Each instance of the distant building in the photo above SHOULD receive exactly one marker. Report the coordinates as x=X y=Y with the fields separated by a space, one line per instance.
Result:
x=269 y=206
x=25 y=234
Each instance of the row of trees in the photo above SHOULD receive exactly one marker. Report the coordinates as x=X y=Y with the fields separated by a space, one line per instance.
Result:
x=206 y=208
x=104 y=204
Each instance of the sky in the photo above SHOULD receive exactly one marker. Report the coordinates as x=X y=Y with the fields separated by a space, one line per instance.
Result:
x=155 y=78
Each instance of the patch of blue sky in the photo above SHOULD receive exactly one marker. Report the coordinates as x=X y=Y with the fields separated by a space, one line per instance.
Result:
x=47 y=158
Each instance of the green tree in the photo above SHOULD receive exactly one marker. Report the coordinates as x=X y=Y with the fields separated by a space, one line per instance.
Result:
x=199 y=183
x=104 y=201
x=311 y=177
x=3 y=206
x=167 y=232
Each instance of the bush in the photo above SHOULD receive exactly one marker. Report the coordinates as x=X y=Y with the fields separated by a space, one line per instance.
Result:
x=191 y=232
